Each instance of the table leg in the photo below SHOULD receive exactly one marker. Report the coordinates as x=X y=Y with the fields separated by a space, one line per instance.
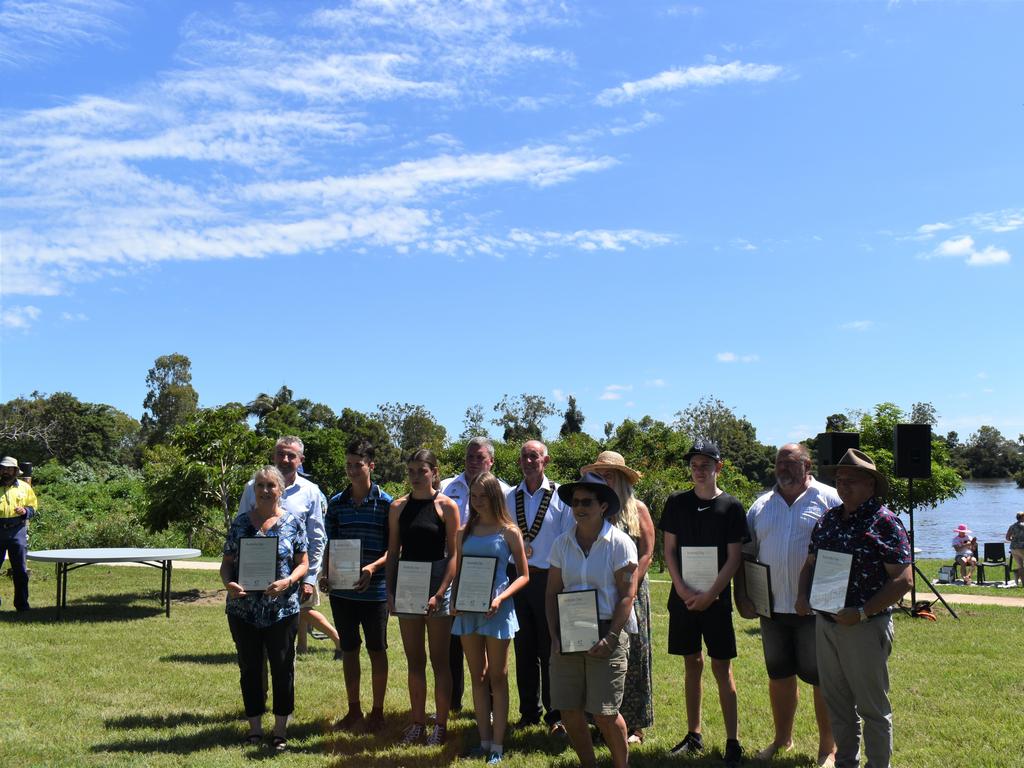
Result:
x=64 y=588
x=59 y=581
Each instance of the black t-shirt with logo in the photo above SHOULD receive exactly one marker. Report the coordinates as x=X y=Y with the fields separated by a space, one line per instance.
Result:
x=700 y=523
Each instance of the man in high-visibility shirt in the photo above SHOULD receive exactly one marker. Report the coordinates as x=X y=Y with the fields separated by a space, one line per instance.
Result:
x=17 y=505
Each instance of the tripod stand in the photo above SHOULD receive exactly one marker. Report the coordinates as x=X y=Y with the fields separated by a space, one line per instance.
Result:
x=917 y=571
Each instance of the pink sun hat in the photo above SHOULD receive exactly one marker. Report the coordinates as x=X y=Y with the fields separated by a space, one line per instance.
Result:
x=962 y=529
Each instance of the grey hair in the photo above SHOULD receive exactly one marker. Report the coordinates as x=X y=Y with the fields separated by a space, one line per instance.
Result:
x=482 y=442
x=271 y=471
x=291 y=440
x=799 y=449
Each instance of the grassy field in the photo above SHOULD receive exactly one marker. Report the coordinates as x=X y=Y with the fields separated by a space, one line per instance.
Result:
x=115 y=683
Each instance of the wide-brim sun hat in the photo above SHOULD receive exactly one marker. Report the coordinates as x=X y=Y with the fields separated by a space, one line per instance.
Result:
x=963 y=529
x=856 y=459
x=10 y=461
x=612 y=460
x=595 y=484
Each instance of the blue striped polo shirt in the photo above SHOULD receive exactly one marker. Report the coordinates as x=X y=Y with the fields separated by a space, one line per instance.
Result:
x=368 y=522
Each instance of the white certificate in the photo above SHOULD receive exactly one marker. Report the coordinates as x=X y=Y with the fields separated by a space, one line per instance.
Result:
x=831 y=580
x=413 y=588
x=759 y=586
x=257 y=562
x=699 y=567
x=344 y=563
x=476 y=584
x=577 y=620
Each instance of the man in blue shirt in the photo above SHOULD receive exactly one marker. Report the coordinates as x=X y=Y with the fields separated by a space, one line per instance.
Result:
x=361 y=512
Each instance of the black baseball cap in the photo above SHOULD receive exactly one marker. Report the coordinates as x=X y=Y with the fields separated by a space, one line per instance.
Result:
x=707 y=448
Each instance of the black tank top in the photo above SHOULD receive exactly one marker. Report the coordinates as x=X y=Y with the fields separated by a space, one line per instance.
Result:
x=422 y=531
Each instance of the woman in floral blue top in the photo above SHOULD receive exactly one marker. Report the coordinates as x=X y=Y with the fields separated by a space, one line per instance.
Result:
x=266 y=622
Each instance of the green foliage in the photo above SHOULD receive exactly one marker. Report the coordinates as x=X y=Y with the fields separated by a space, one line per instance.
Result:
x=522 y=418
x=170 y=397
x=569 y=454
x=988 y=454
x=711 y=419
x=62 y=427
x=411 y=427
x=474 y=424
x=574 y=418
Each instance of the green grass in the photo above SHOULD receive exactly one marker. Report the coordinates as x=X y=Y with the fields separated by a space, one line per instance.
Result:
x=115 y=683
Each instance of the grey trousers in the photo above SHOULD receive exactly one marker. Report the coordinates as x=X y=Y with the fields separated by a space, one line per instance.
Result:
x=854 y=671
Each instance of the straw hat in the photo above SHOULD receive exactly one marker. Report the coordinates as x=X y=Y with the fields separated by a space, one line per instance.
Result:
x=612 y=460
x=855 y=459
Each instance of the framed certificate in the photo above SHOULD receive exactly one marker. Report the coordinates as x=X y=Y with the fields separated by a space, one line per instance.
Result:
x=759 y=586
x=475 y=584
x=831 y=580
x=257 y=562
x=412 y=589
x=699 y=567
x=344 y=563
x=577 y=621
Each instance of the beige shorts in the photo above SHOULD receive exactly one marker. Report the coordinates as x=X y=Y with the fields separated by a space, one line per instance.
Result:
x=1017 y=555
x=579 y=681
x=312 y=601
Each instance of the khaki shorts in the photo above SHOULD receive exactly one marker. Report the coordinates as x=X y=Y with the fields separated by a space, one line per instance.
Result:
x=312 y=601
x=1017 y=555
x=579 y=681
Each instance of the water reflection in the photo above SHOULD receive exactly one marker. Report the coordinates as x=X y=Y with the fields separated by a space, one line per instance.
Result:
x=988 y=507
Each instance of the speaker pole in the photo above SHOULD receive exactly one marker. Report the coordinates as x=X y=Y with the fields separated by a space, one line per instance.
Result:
x=915 y=571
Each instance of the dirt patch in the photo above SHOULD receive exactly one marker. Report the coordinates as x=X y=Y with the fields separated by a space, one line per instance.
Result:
x=201 y=597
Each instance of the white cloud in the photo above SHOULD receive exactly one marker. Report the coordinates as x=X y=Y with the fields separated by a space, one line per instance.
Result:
x=858 y=325
x=614 y=391
x=964 y=247
x=987 y=256
x=702 y=76
x=959 y=246
x=559 y=395
x=732 y=357
x=74 y=317
x=32 y=30
x=684 y=10
x=928 y=230
x=20 y=317
x=656 y=383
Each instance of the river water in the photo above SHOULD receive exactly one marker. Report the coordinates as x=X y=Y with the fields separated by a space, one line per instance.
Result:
x=988 y=507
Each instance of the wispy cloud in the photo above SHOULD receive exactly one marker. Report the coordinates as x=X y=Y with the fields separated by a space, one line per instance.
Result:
x=34 y=30
x=615 y=391
x=732 y=357
x=19 y=317
x=656 y=383
x=965 y=248
x=858 y=325
x=558 y=395
x=590 y=239
x=703 y=76
x=74 y=317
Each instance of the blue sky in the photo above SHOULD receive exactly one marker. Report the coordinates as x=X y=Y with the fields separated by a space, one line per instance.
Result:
x=799 y=208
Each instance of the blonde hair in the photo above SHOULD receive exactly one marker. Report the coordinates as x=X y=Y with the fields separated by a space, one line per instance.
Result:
x=491 y=488
x=628 y=513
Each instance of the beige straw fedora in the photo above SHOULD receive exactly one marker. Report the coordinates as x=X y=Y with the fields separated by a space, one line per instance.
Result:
x=612 y=460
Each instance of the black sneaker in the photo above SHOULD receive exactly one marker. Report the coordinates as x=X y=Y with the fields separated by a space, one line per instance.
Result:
x=733 y=753
x=693 y=744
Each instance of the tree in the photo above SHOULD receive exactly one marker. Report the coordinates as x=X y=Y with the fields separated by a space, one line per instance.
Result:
x=924 y=413
x=170 y=398
x=838 y=422
x=711 y=419
x=522 y=418
x=988 y=454
x=574 y=418
x=411 y=427
x=474 y=423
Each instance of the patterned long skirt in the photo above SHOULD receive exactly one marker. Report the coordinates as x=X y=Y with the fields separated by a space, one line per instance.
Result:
x=638 y=700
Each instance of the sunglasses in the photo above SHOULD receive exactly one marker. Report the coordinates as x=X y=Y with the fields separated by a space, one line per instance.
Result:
x=583 y=503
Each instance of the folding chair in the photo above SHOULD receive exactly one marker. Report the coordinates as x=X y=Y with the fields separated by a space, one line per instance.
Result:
x=995 y=557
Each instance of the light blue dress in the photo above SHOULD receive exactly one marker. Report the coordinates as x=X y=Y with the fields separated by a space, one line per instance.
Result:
x=504 y=624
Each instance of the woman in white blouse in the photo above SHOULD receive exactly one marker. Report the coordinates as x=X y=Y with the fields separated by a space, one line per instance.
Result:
x=593 y=555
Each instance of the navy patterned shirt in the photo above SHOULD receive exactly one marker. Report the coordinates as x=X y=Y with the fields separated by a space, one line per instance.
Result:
x=368 y=522
x=873 y=535
x=256 y=607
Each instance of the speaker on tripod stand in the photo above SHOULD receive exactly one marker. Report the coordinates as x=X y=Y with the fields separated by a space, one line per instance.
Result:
x=912 y=452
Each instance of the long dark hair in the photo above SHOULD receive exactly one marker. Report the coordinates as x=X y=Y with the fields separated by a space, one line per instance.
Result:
x=426 y=456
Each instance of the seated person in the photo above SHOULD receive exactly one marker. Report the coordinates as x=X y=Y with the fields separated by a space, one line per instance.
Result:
x=965 y=546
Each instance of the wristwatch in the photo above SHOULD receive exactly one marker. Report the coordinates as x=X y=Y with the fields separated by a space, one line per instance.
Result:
x=863 y=613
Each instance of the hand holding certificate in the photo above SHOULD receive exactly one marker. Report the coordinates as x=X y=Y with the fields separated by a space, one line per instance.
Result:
x=476 y=584
x=831 y=580
x=699 y=567
x=412 y=590
x=257 y=562
x=344 y=563
x=759 y=587
x=577 y=621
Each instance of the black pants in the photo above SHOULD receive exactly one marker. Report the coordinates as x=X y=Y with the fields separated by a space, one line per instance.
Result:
x=455 y=656
x=278 y=642
x=533 y=649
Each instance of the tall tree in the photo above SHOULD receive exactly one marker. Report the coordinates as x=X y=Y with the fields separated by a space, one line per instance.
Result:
x=522 y=418
x=574 y=418
x=711 y=419
x=474 y=423
x=170 y=398
x=411 y=427
x=988 y=454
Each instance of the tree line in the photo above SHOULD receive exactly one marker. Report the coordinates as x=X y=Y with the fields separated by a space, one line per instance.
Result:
x=175 y=476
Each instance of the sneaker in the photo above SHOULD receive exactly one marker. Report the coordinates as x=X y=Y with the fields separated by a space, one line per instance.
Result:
x=557 y=729
x=494 y=759
x=437 y=736
x=526 y=722
x=733 y=753
x=350 y=722
x=693 y=744
x=374 y=721
x=413 y=734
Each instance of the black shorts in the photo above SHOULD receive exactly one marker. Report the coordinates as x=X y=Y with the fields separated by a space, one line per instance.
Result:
x=372 y=615
x=789 y=647
x=686 y=629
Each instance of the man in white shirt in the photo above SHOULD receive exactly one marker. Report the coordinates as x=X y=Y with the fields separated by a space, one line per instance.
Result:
x=542 y=517
x=780 y=524
x=479 y=459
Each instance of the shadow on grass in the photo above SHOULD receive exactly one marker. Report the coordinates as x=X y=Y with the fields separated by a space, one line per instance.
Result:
x=172 y=720
x=94 y=612
x=201 y=658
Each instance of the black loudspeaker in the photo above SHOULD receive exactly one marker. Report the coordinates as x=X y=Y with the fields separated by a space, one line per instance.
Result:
x=832 y=446
x=912 y=448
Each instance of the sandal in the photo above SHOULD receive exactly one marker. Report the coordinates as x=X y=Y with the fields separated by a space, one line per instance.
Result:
x=279 y=743
x=252 y=739
x=636 y=737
